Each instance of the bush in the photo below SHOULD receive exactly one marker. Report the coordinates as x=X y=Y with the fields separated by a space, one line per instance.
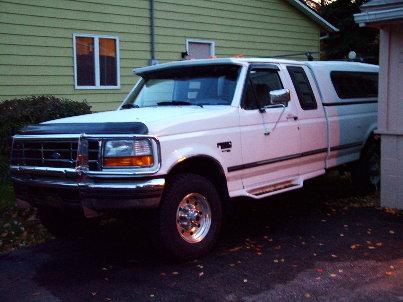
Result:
x=16 y=113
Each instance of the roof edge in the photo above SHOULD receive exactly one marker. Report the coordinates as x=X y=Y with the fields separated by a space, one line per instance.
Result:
x=313 y=15
x=379 y=16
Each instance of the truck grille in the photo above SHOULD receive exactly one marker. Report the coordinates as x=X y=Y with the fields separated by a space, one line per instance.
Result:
x=55 y=154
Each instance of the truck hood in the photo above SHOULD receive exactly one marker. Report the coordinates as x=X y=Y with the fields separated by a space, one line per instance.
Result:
x=162 y=121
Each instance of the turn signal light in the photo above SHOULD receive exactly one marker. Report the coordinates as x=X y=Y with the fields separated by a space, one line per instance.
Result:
x=129 y=161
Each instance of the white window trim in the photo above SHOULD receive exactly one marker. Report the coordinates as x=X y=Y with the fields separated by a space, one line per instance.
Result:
x=211 y=42
x=96 y=54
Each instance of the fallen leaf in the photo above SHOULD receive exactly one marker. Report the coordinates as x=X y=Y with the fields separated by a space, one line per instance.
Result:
x=379 y=244
x=354 y=246
x=307 y=295
x=340 y=270
x=319 y=270
x=94 y=293
x=333 y=275
x=152 y=296
x=201 y=274
x=200 y=266
x=391 y=231
x=275 y=260
x=235 y=249
x=175 y=273
x=36 y=294
x=245 y=280
x=390 y=273
x=334 y=256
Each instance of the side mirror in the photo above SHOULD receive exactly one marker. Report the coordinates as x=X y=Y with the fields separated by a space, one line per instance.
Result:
x=280 y=96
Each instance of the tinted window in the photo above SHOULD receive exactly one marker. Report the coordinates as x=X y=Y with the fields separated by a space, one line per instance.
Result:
x=351 y=85
x=260 y=83
x=202 y=85
x=302 y=87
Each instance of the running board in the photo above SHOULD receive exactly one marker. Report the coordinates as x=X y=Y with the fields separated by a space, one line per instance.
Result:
x=274 y=188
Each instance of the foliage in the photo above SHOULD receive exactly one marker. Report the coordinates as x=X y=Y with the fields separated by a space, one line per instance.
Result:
x=363 y=40
x=16 y=113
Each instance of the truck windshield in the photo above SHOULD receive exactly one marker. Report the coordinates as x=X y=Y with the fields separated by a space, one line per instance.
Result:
x=190 y=85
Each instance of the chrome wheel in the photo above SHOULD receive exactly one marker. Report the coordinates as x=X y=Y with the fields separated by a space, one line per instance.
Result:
x=193 y=218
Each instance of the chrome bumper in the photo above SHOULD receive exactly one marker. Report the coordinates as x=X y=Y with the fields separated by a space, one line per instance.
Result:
x=110 y=193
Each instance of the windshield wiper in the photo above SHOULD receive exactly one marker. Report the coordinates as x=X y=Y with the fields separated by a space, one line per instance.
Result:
x=178 y=103
x=129 y=106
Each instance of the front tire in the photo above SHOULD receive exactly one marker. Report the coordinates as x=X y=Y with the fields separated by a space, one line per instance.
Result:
x=188 y=221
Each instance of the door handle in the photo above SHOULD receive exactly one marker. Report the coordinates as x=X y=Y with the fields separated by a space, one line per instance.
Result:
x=291 y=116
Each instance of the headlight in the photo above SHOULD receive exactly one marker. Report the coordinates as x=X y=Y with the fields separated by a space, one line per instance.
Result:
x=128 y=153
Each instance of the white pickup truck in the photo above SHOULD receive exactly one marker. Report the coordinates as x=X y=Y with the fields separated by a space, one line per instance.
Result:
x=191 y=135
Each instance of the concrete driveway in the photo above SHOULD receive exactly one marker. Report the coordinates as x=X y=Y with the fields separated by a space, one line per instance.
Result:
x=322 y=243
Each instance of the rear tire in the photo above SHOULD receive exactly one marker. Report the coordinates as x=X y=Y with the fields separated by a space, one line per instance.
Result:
x=188 y=221
x=366 y=172
x=64 y=223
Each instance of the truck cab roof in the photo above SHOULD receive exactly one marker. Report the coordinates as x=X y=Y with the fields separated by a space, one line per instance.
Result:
x=314 y=65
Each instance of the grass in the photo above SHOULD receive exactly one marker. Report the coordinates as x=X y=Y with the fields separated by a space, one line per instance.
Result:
x=7 y=199
x=18 y=227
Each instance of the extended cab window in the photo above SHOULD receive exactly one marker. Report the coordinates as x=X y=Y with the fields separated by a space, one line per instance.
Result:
x=260 y=83
x=303 y=88
x=201 y=85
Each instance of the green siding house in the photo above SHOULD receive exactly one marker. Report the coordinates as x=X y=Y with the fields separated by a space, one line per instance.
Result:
x=87 y=49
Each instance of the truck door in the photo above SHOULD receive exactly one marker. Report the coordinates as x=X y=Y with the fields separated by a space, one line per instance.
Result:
x=312 y=121
x=268 y=159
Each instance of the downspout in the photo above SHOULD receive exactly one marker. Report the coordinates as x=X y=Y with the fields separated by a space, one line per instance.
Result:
x=153 y=60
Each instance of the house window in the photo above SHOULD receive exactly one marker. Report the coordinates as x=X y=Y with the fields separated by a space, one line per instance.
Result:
x=200 y=49
x=96 y=62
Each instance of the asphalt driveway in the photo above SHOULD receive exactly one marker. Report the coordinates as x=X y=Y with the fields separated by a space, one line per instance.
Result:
x=323 y=243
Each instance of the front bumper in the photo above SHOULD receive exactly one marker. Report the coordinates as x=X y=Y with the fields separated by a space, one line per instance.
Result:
x=99 y=194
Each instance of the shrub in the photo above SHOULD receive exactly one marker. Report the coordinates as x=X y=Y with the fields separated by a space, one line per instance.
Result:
x=16 y=113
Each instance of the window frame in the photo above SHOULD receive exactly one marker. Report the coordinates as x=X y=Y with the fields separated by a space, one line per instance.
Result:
x=339 y=93
x=263 y=66
x=201 y=41
x=301 y=101
x=97 y=85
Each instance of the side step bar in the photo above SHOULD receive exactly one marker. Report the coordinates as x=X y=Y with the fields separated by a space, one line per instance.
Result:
x=275 y=188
